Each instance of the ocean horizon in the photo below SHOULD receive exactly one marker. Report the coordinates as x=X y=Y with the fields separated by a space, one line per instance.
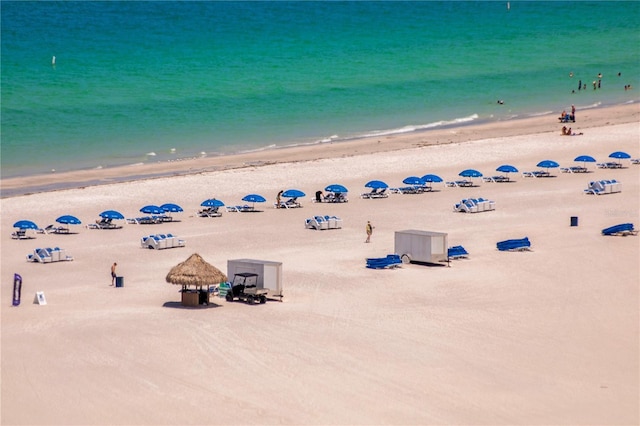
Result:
x=89 y=85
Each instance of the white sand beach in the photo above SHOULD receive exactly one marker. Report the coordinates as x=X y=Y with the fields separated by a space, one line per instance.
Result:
x=547 y=336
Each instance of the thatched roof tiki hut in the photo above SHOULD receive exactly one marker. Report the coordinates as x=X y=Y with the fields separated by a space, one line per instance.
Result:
x=197 y=273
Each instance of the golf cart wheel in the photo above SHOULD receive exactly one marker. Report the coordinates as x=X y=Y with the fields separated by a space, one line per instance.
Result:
x=229 y=297
x=250 y=300
x=405 y=258
x=263 y=299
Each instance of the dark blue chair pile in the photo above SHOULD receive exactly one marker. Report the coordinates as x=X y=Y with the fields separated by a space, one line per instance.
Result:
x=622 y=229
x=514 y=245
x=391 y=261
x=457 y=252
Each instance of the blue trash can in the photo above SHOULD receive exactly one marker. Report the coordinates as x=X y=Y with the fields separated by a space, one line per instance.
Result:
x=574 y=220
x=119 y=281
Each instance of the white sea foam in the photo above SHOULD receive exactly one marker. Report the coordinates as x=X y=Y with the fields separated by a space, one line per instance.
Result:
x=151 y=154
x=413 y=128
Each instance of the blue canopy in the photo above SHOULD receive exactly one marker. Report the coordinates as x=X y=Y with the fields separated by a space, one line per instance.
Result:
x=619 y=155
x=111 y=214
x=293 y=193
x=585 y=159
x=547 y=164
x=68 y=220
x=507 y=168
x=413 y=180
x=431 y=178
x=336 y=188
x=25 y=224
x=254 y=198
x=212 y=202
x=376 y=184
x=170 y=207
x=151 y=209
x=471 y=173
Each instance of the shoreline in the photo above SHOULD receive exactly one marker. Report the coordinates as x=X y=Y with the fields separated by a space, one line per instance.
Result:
x=461 y=132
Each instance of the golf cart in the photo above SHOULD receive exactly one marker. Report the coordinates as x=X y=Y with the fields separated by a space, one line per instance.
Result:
x=244 y=288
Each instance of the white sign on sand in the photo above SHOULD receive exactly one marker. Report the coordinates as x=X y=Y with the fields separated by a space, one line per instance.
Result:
x=39 y=298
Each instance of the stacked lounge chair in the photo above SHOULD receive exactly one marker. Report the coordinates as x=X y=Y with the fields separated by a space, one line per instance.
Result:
x=388 y=262
x=600 y=187
x=161 y=241
x=622 y=230
x=323 y=222
x=48 y=255
x=457 y=252
x=474 y=205
x=522 y=244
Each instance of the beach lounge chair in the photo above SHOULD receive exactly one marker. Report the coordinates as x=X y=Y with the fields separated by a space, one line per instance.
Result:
x=210 y=212
x=389 y=262
x=317 y=222
x=603 y=187
x=635 y=161
x=623 y=230
x=522 y=244
x=457 y=252
x=20 y=234
x=609 y=165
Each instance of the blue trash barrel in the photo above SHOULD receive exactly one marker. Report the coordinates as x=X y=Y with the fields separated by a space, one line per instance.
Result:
x=119 y=281
x=574 y=220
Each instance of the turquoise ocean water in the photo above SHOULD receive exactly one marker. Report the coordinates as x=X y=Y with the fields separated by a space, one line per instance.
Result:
x=153 y=81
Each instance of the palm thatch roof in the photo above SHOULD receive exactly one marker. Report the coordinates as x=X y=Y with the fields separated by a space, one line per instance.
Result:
x=195 y=271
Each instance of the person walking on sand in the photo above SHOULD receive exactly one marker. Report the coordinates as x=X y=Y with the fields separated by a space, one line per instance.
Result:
x=369 y=232
x=279 y=199
x=113 y=273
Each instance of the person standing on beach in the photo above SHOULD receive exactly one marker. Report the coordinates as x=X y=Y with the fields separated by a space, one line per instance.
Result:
x=113 y=273
x=278 y=199
x=369 y=232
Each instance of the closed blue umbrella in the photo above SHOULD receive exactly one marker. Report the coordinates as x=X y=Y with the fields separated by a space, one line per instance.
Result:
x=431 y=178
x=413 y=180
x=470 y=173
x=68 y=220
x=293 y=193
x=212 y=202
x=170 y=207
x=25 y=224
x=548 y=164
x=336 y=188
x=151 y=209
x=507 y=168
x=111 y=214
x=254 y=198
x=376 y=184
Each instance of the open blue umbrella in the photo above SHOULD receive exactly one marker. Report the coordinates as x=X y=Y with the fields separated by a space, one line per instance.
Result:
x=151 y=209
x=548 y=164
x=376 y=184
x=336 y=188
x=25 y=224
x=68 y=220
x=111 y=214
x=507 y=168
x=212 y=202
x=254 y=198
x=170 y=207
x=585 y=159
x=293 y=193
x=619 y=155
x=431 y=178
x=413 y=180
x=470 y=173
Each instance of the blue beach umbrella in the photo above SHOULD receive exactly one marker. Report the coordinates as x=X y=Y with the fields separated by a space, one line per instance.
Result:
x=212 y=202
x=293 y=193
x=25 y=224
x=507 y=168
x=470 y=173
x=585 y=159
x=111 y=214
x=339 y=189
x=170 y=207
x=254 y=198
x=413 y=180
x=619 y=155
x=376 y=184
x=431 y=178
x=68 y=220
x=548 y=164
x=151 y=209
